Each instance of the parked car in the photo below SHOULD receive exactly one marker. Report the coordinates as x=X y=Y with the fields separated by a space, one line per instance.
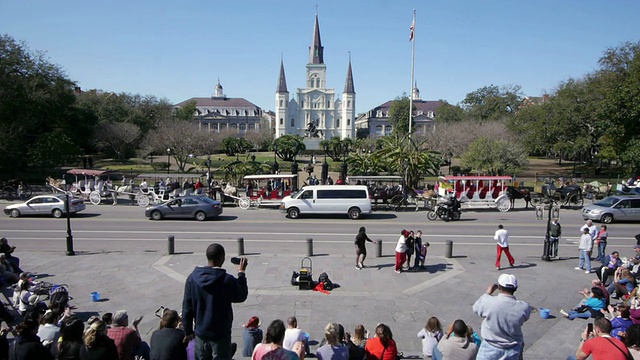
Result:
x=53 y=205
x=614 y=208
x=351 y=200
x=186 y=207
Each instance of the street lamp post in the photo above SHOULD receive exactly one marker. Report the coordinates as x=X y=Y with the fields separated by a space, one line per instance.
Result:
x=168 y=160
x=209 y=171
x=276 y=167
x=70 y=251
x=549 y=192
x=345 y=150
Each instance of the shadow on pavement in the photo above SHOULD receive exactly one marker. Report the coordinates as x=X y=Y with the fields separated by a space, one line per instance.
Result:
x=82 y=215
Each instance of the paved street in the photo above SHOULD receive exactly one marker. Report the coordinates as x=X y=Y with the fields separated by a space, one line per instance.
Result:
x=123 y=255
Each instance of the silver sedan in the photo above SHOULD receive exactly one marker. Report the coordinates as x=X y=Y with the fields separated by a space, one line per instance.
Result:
x=45 y=205
x=186 y=207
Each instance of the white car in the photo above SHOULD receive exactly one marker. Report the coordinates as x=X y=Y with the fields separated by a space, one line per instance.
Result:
x=45 y=205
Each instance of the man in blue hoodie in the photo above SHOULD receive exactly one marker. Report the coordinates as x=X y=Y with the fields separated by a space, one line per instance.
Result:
x=208 y=295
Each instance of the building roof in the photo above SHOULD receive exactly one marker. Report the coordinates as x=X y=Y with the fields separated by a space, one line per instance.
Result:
x=219 y=102
x=420 y=105
x=282 y=80
x=348 y=86
x=316 y=49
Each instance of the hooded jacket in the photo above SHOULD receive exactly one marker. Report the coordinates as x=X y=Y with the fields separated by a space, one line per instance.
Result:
x=208 y=295
x=28 y=347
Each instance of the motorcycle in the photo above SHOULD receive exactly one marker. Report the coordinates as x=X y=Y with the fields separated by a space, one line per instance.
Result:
x=444 y=212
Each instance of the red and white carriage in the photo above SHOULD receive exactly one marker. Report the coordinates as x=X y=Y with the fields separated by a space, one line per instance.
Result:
x=477 y=192
x=266 y=190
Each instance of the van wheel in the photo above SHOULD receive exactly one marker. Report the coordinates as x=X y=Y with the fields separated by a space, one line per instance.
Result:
x=354 y=213
x=293 y=213
x=607 y=218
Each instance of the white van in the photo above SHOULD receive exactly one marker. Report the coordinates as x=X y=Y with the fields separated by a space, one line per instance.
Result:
x=352 y=200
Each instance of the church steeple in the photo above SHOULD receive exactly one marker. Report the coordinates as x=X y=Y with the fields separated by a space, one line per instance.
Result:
x=282 y=81
x=316 y=49
x=348 y=86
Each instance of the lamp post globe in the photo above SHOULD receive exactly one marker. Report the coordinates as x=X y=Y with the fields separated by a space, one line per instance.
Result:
x=168 y=160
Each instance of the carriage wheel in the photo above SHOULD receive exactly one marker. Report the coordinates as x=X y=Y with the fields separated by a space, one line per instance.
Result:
x=95 y=197
x=504 y=204
x=396 y=202
x=244 y=203
x=576 y=201
x=142 y=199
x=8 y=192
x=536 y=200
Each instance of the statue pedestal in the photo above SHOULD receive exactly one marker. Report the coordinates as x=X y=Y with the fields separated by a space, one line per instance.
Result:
x=312 y=143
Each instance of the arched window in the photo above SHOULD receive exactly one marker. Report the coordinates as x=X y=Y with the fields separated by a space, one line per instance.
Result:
x=293 y=122
x=281 y=121
x=337 y=122
x=387 y=129
x=379 y=130
x=234 y=126
x=348 y=122
x=243 y=127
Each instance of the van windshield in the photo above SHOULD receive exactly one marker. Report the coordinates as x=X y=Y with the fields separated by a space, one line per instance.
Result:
x=607 y=202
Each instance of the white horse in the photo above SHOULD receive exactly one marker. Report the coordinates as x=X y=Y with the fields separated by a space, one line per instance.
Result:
x=230 y=190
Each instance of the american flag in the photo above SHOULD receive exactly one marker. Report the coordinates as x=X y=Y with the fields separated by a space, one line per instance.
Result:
x=412 y=28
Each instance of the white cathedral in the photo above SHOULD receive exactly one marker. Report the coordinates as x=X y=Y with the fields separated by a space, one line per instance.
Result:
x=315 y=111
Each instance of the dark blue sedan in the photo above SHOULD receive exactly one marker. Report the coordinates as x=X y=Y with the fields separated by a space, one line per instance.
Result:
x=188 y=207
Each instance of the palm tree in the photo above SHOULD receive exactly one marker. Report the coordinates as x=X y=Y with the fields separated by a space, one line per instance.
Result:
x=403 y=153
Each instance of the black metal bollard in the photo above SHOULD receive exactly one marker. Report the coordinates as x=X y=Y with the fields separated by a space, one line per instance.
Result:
x=240 y=246
x=171 y=245
x=309 y=247
x=448 y=250
x=379 y=248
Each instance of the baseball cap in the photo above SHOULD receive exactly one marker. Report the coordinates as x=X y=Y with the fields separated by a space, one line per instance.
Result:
x=508 y=281
x=636 y=246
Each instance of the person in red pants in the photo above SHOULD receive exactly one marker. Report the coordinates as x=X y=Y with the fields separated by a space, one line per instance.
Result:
x=401 y=250
x=502 y=237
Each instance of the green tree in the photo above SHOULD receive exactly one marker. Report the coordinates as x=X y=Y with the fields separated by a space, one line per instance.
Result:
x=335 y=148
x=449 y=113
x=288 y=146
x=186 y=112
x=36 y=98
x=494 y=157
x=399 y=115
x=53 y=150
x=492 y=102
x=412 y=156
x=233 y=145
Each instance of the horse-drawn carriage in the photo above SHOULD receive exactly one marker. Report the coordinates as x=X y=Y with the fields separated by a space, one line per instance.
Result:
x=388 y=191
x=477 y=192
x=266 y=190
x=569 y=194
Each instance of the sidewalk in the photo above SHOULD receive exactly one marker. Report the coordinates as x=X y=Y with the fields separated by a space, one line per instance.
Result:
x=141 y=282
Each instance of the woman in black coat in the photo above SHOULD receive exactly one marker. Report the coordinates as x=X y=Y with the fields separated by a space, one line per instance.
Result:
x=97 y=345
x=27 y=345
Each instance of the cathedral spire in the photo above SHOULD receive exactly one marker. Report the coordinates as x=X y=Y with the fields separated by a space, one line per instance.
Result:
x=348 y=86
x=316 y=49
x=282 y=80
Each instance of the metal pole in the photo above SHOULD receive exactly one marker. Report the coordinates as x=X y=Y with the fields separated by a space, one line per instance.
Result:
x=168 y=161
x=413 y=51
x=448 y=250
x=309 y=247
x=240 y=246
x=171 y=245
x=70 y=251
x=379 y=248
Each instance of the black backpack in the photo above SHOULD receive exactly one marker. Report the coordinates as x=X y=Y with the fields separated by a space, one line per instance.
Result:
x=59 y=298
x=324 y=278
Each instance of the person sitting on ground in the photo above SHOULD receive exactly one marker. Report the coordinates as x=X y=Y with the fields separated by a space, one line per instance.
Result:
x=357 y=342
x=8 y=250
x=382 y=346
x=71 y=333
x=632 y=340
x=27 y=345
x=251 y=336
x=97 y=345
x=127 y=339
x=167 y=342
x=108 y=319
x=620 y=320
x=294 y=338
x=7 y=274
x=623 y=284
x=456 y=344
x=596 y=283
x=590 y=308
x=22 y=300
x=272 y=347
x=49 y=332
x=430 y=334
x=599 y=343
x=334 y=349
x=610 y=264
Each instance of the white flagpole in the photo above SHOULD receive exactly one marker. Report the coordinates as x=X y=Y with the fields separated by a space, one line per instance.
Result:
x=413 y=51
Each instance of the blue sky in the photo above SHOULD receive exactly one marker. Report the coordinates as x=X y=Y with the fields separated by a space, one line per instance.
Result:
x=178 y=49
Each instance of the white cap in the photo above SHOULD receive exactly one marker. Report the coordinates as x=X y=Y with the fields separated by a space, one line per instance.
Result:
x=508 y=281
